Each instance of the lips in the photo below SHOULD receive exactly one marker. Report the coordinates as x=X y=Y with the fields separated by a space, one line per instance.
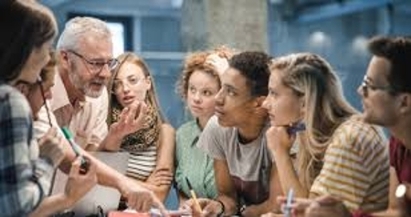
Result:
x=195 y=108
x=128 y=99
x=218 y=112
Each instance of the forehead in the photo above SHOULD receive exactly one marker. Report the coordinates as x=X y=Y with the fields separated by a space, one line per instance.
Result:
x=130 y=69
x=96 y=47
x=275 y=78
x=378 y=69
x=202 y=76
x=233 y=78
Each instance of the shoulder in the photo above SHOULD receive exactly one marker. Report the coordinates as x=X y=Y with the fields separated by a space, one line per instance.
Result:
x=356 y=134
x=187 y=127
x=16 y=101
x=167 y=128
x=213 y=125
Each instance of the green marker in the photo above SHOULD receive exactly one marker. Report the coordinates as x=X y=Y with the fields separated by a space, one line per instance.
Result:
x=75 y=147
x=70 y=139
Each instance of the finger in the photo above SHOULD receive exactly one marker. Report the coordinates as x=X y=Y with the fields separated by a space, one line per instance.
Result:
x=92 y=168
x=131 y=114
x=75 y=167
x=124 y=114
x=159 y=205
x=140 y=118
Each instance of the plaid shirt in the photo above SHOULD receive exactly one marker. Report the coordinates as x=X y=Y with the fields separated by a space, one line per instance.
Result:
x=24 y=178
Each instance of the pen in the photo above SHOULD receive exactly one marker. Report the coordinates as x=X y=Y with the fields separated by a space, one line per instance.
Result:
x=193 y=195
x=69 y=137
x=75 y=147
x=287 y=210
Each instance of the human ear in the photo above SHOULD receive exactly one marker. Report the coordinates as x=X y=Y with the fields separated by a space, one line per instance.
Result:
x=405 y=103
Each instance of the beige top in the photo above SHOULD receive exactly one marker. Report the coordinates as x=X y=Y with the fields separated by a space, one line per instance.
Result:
x=86 y=120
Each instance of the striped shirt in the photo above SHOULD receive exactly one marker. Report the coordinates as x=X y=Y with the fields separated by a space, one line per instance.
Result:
x=142 y=163
x=356 y=167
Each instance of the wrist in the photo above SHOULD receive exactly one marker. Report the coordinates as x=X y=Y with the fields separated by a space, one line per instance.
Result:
x=222 y=208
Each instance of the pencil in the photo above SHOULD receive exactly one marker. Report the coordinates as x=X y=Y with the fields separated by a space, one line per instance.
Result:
x=193 y=195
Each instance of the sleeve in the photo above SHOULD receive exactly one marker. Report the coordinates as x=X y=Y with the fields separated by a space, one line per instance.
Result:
x=349 y=165
x=211 y=140
x=179 y=173
x=100 y=129
x=24 y=181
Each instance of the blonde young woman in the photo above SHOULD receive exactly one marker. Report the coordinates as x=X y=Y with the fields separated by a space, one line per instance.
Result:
x=151 y=142
x=338 y=153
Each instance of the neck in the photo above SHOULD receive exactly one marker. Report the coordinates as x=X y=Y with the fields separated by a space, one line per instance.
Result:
x=402 y=132
x=73 y=93
x=202 y=121
x=251 y=129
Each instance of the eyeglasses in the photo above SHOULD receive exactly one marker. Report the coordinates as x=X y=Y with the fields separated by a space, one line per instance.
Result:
x=118 y=85
x=96 y=66
x=366 y=86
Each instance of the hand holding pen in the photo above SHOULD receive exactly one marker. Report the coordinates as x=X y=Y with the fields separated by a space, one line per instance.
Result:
x=84 y=163
x=194 y=196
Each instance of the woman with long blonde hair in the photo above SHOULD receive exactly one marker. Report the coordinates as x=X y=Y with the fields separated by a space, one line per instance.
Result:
x=339 y=154
x=151 y=144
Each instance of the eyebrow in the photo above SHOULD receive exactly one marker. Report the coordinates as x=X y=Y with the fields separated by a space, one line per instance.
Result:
x=229 y=86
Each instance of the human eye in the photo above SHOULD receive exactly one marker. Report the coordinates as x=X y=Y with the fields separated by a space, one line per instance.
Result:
x=133 y=80
x=207 y=93
x=96 y=64
x=231 y=92
x=272 y=93
x=192 y=89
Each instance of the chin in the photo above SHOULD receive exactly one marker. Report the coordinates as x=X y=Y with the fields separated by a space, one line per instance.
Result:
x=93 y=93
x=223 y=123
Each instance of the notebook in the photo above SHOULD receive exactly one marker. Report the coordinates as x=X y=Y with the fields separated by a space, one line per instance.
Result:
x=107 y=198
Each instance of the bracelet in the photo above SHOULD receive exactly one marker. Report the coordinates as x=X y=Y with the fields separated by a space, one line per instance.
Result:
x=221 y=213
x=241 y=210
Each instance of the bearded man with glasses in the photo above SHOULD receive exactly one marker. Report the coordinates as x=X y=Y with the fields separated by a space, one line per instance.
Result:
x=80 y=102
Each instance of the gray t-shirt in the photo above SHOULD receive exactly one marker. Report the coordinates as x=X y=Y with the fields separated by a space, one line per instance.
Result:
x=249 y=164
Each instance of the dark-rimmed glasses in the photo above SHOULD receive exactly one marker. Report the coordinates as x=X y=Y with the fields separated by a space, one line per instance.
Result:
x=366 y=86
x=96 y=66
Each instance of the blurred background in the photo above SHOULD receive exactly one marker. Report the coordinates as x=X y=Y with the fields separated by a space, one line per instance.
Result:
x=164 y=31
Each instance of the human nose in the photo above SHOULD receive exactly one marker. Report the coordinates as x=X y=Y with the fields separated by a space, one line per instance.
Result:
x=362 y=90
x=266 y=104
x=125 y=87
x=105 y=71
x=197 y=97
x=219 y=96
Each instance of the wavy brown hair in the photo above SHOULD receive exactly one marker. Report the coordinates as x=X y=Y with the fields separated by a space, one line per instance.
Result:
x=193 y=62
